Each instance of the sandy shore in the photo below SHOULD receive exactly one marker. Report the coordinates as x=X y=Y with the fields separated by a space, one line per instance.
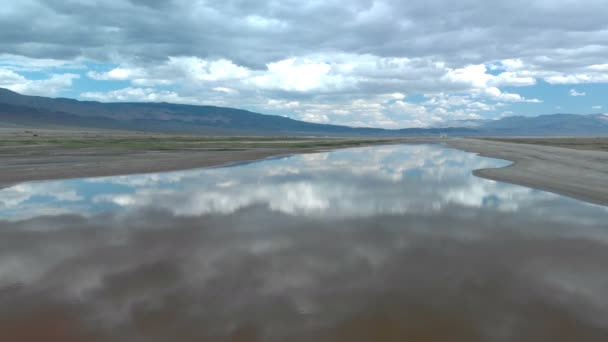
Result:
x=577 y=173
x=95 y=162
x=28 y=155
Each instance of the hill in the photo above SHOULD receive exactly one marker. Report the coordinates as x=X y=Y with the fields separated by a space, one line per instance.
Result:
x=166 y=117
x=554 y=124
x=37 y=111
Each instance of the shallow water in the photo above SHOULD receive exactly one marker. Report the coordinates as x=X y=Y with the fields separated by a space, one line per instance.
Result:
x=379 y=243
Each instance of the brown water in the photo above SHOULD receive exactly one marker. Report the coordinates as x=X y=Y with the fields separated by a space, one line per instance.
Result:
x=390 y=243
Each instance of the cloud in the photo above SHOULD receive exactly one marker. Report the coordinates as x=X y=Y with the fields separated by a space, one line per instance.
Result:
x=120 y=74
x=357 y=90
x=485 y=84
x=321 y=55
x=300 y=76
x=225 y=90
x=384 y=28
x=50 y=86
x=573 y=92
x=22 y=63
x=282 y=104
x=204 y=70
x=138 y=95
x=577 y=78
x=596 y=107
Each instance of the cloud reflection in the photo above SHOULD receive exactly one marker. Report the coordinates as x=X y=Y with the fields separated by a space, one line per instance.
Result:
x=373 y=244
x=464 y=274
x=347 y=183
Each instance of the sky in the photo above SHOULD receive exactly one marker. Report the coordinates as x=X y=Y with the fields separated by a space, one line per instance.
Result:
x=382 y=63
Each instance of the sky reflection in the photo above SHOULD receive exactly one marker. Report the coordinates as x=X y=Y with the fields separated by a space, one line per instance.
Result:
x=382 y=243
x=353 y=182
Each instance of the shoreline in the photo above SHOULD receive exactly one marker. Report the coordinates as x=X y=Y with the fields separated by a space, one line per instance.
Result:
x=93 y=174
x=71 y=164
x=578 y=174
x=177 y=162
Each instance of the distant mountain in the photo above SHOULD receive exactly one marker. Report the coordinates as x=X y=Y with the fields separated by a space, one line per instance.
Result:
x=171 y=118
x=470 y=123
x=17 y=109
x=554 y=124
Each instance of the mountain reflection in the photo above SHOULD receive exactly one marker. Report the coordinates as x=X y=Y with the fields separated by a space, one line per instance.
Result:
x=376 y=244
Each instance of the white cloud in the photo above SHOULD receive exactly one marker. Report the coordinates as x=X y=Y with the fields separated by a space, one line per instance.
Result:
x=8 y=77
x=120 y=74
x=47 y=87
x=396 y=96
x=257 y=22
x=577 y=78
x=225 y=90
x=599 y=67
x=299 y=75
x=512 y=64
x=282 y=104
x=474 y=76
x=485 y=84
x=514 y=79
x=321 y=55
x=498 y=95
x=138 y=95
x=321 y=87
x=596 y=107
x=315 y=117
x=21 y=63
x=207 y=70
x=573 y=92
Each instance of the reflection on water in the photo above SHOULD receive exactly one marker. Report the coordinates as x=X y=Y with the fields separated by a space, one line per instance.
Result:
x=380 y=243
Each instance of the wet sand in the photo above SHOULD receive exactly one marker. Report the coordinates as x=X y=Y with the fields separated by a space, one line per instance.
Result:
x=97 y=162
x=29 y=155
x=578 y=173
x=574 y=167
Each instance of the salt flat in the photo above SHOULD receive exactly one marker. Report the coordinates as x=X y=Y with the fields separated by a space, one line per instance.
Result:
x=582 y=174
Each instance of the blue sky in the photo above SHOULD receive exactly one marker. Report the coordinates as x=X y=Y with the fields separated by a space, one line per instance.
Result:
x=380 y=63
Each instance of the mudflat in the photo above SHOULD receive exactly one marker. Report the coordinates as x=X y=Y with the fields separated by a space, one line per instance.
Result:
x=575 y=167
x=577 y=143
x=43 y=154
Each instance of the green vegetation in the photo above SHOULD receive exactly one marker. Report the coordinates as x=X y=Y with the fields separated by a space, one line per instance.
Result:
x=161 y=142
x=577 y=143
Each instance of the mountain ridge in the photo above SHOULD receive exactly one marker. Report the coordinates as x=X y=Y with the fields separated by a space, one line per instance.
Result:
x=166 y=117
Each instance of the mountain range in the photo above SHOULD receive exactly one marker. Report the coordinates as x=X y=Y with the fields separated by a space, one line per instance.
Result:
x=37 y=111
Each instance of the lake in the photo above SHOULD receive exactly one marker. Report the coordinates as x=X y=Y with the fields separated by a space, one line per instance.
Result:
x=383 y=243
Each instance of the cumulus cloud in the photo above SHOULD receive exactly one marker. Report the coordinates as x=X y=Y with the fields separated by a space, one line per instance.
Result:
x=131 y=94
x=321 y=55
x=323 y=88
x=50 y=86
x=116 y=74
x=301 y=76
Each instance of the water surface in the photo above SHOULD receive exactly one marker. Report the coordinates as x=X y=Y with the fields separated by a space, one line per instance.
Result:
x=379 y=243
